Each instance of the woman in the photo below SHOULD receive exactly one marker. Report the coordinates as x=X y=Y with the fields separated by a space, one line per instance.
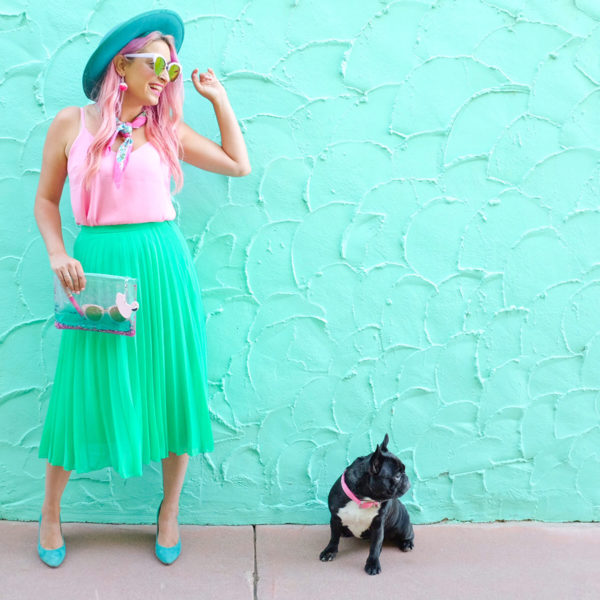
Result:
x=125 y=401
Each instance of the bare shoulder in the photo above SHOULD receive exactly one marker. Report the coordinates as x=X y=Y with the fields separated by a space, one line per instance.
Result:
x=67 y=117
x=60 y=135
x=64 y=127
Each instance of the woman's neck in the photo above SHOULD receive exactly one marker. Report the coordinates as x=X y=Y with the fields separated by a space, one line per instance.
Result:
x=130 y=110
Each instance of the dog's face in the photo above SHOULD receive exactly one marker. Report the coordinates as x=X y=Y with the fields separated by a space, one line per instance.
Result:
x=387 y=477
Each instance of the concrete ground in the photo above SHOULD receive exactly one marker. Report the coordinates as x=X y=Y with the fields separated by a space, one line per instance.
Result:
x=272 y=562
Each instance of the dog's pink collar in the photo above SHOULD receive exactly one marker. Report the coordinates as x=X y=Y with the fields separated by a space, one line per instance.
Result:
x=361 y=503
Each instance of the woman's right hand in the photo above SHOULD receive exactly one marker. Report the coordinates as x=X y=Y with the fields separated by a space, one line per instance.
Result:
x=69 y=272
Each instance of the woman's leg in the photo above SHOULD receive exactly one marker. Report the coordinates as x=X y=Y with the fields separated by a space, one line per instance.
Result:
x=56 y=481
x=174 y=468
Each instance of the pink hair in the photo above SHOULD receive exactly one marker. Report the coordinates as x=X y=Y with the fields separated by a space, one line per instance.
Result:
x=162 y=119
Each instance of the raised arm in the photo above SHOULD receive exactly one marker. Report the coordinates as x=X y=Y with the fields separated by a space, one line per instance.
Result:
x=52 y=180
x=231 y=157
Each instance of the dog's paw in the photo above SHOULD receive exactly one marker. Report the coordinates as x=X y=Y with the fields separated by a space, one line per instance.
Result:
x=327 y=554
x=406 y=545
x=373 y=567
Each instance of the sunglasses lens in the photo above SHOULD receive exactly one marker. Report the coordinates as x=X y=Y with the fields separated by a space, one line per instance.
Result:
x=115 y=315
x=174 y=71
x=93 y=312
x=159 y=65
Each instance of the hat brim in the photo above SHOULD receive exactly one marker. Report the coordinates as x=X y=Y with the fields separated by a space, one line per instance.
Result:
x=165 y=21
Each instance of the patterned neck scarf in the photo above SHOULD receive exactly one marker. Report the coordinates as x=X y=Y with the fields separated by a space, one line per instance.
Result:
x=124 y=151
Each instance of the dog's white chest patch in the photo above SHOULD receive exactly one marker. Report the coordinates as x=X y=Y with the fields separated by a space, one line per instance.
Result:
x=357 y=519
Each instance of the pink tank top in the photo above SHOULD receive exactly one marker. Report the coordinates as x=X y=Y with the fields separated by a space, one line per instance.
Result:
x=144 y=195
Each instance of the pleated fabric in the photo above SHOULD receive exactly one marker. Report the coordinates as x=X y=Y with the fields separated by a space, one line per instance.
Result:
x=123 y=401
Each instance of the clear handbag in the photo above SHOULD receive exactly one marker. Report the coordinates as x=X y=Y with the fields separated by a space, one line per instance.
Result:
x=108 y=304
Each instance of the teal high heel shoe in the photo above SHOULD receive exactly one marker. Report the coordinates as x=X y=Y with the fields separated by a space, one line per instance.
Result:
x=53 y=558
x=166 y=554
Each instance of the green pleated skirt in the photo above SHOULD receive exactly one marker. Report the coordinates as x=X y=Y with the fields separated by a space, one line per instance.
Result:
x=121 y=401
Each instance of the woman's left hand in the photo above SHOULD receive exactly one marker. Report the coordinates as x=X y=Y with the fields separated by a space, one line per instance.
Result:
x=208 y=85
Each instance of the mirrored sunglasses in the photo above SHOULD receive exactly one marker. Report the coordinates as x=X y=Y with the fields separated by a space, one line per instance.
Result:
x=159 y=64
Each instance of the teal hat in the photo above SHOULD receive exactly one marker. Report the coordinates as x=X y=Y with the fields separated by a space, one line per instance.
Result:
x=165 y=21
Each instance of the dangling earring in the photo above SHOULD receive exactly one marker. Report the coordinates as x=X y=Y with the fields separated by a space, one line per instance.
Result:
x=122 y=85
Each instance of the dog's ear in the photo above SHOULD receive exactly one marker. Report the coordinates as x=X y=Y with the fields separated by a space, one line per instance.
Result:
x=376 y=461
x=384 y=444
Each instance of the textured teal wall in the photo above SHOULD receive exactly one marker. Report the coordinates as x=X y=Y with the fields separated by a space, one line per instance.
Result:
x=416 y=251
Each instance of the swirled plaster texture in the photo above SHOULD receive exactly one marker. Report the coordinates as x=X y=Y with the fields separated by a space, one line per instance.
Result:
x=415 y=252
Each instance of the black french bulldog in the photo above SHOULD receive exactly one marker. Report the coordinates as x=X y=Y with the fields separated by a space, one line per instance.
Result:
x=376 y=481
